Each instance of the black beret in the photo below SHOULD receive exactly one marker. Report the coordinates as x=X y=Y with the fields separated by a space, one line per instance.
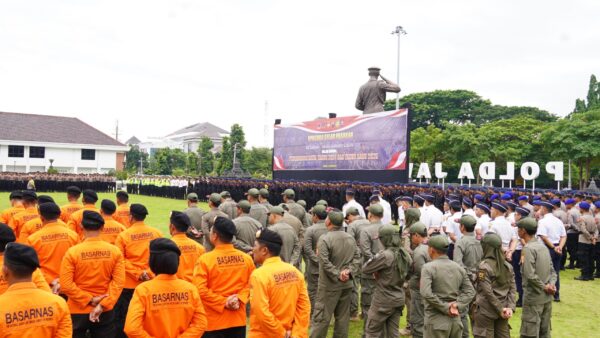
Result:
x=16 y=194
x=180 y=219
x=92 y=219
x=49 y=210
x=45 y=199
x=225 y=226
x=90 y=195
x=30 y=194
x=6 y=235
x=454 y=204
x=163 y=245
x=524 y=212
x=108 y=206
x=499 y=206
x=122 y=193
x=270 y=236
x=73 y=190
x=20 y=254
x=138 y=209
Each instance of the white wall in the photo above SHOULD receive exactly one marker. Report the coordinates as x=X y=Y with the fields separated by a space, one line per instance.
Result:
x=66 y=160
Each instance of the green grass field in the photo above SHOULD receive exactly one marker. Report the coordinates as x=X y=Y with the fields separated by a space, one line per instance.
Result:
x=576 y=316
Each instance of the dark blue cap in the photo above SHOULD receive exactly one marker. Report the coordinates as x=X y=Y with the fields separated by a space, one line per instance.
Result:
x=584 y=206
x=523 y=198
x=467 y=201
x=483 y=207
x=570 y=201
x=499 y=206
x=524 y=212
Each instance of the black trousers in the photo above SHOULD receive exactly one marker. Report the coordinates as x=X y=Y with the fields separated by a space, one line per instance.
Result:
x=572 y=240
x=556 y=263
x=121 y=312
x=103 y=329
x=451 y=251
x=516 y=263
x=232 y=332
x=585 y=257
x=596 y=259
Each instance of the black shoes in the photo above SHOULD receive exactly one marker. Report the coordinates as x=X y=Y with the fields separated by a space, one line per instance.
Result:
x=582 y=278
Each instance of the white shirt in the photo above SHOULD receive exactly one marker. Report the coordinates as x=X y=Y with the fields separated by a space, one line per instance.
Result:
x=470 y=212
x=516 y=234
x=452 y=226
x=502 y=227
x=401 y=216
x=387 y=211
x=552 y=228
x=425 y=218
x=355 y=204
x=435 y=216
x=483 y=224
x=511 y=218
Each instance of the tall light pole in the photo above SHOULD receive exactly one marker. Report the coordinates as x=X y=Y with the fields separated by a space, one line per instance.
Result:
x=398 y=31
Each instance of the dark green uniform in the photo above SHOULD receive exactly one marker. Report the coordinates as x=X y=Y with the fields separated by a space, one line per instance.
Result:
x=195 y=214
x=337 y=251
x=291 y=248
x=468 y=253
x=443 y=282
x=229 y=207
x=311 y=239
x=354 y=229
x=369 y=246
x=246 y=227
x=417 y=310
x=260 y=213
x=298 y=211
x=208 y=220
x=537 y=272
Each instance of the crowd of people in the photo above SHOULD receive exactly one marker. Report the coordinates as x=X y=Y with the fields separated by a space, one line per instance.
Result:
x=45 y=182
x=275 y=260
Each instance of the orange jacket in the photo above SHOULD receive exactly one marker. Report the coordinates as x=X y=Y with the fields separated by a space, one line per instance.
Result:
x=8 y=214
x=111 y=230
x=165 y=307
x=31 y=227
x=19 y=219
x=134 y=243
x=89 y=269
x=74 y=222
x=68 y=209
x=51 y=243
x=37 y=278
x=278 y=301
x=28 y=312
x=219 y=274
x=122 y=215
x=190 y=252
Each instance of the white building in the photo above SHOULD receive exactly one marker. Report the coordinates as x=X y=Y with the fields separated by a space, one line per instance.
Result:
x=31 y=143
x=187 y=139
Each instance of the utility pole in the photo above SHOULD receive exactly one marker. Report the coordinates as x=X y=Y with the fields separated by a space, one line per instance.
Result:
x=398 y=31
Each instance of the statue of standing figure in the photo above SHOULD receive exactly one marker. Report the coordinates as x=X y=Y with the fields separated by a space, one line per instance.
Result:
x=371 y=95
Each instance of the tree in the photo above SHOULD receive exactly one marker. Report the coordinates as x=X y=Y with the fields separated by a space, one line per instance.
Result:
x=238 y=137
x=132 y=159
x=192 y=164
x=593 y=96
x=225 y=161
x=166 y=160
x=426 y=144
x=258 y=162
x=206 y=157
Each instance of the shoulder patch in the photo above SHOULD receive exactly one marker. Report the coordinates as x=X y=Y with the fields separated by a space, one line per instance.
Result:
x=481 y=274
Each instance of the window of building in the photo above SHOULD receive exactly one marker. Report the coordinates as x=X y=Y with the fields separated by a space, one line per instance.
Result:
x=88 y=154
x=16 y=151
x=37 y=152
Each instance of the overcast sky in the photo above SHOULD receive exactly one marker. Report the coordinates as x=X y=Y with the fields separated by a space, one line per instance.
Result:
x=157 y=66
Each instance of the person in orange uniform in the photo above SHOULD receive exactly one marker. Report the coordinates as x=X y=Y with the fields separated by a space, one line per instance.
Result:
x=112 y=228
x=30 y=212
x=51 y=243
x=8 y=236
x=166 y=306
x=27 y=311
x=73 y=194
x=16 y=206
x=222 y=276
x=122 y=214
x=134 y=244
x=34 y=224
x=279 y=304
x=89 y=203
x=190 y=249
x=92 y=275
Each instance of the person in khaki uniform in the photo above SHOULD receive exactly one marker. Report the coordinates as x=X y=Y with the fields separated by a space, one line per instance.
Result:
x=468 y=253
x=291 y=249
x=356 y=224
x=446 y=291
x=539 y=278
x=390 y=268
x=369 y=246
x=411 y=216
x=496 y=291
x=420 y=257
x=588 y=236
x=228 y=205
x=263 y=198
x=339 y=261
x=311 y=239
x=257 y=211
x=208 y=219
x=246 y=227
